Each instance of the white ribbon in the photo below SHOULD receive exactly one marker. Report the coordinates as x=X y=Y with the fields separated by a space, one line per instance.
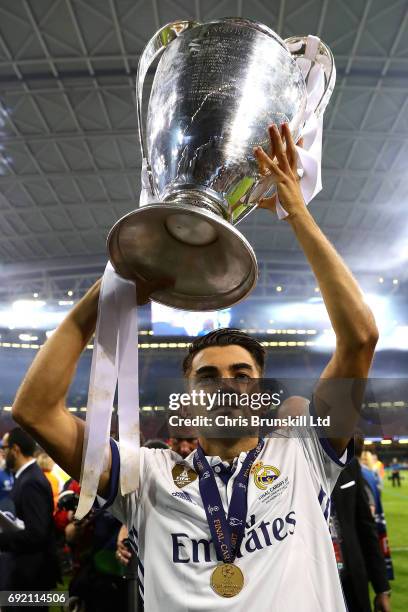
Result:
x=310 y=155
x=114 y=362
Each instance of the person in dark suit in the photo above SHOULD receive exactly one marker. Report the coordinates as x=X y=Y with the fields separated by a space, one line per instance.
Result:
x=355 y=539
x=32 y=550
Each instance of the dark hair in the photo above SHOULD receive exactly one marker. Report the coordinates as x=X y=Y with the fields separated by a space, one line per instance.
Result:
x=224 y=337
x=156 y=443
x=23 y=440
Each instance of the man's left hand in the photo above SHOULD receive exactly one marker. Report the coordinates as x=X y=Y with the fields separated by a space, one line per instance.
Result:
x=281 y=166
x=382 y=603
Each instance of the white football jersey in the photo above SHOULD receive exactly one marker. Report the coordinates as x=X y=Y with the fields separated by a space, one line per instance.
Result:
x=286 y=555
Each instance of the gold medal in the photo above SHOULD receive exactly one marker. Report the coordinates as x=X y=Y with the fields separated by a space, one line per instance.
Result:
x=227 y=580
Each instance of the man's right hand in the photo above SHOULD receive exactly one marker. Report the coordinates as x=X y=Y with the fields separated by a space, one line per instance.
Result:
x=123 y=553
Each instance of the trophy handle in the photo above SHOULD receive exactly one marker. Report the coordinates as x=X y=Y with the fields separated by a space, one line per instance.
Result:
x=154 y=48
x=314 y=50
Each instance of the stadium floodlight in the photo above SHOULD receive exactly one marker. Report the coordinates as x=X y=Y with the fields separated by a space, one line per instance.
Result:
x=326 y=340
x=397 y=339
x=29 y=314
x=27 y=306
x=27 y=337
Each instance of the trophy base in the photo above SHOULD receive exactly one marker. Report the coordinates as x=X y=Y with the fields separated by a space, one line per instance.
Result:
x=212 y=264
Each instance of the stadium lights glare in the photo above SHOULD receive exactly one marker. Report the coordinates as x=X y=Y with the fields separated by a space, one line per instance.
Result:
x=326 y=340
x=65 y=302
x=278 y=288
x=368 y=442
x=395 y=281
x=316 y=289
x=396 y=339
x=381 y=280
x=27 y=305
x=35 y=295
x=27 y=337
x=386 y=442
x=403 y=440
x=70 y=293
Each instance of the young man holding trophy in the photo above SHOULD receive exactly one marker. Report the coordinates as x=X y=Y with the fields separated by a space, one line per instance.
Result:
x=273 y=552
x=241 y=523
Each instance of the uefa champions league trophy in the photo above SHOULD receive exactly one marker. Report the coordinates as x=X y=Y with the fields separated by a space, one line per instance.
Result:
x=216 y=89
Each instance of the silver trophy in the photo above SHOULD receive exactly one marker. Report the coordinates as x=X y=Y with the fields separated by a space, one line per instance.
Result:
x=216 y=89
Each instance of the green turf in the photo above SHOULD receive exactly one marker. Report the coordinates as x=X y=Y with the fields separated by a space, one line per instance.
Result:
x=395 y=503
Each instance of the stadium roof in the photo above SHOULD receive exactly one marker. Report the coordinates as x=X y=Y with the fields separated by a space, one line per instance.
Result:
x=70 y=159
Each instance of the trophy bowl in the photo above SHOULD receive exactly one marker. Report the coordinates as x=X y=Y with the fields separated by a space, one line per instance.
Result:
x=216 y=89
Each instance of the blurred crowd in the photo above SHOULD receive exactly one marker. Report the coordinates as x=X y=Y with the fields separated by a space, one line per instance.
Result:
x=43 y=546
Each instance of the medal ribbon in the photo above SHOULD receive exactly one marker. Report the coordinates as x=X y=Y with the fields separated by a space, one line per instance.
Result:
x=114 y=363
x=226 y=531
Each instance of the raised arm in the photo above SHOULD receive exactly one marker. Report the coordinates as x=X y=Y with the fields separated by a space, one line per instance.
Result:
x=39 y=406
x=351 y=318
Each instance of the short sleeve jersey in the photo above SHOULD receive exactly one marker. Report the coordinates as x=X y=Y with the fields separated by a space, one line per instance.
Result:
x=286 y=555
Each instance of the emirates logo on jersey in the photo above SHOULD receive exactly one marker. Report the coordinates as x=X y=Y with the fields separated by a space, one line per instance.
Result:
x=182 y=475
x=264 y=475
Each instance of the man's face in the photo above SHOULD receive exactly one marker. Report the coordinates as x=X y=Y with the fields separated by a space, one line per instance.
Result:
x=231 y=369
x=9 y=453
x=231 y=361
x=183 y=446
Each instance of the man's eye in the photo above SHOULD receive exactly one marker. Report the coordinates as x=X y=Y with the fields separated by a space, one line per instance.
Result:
x=242 y=376
x=206 y=380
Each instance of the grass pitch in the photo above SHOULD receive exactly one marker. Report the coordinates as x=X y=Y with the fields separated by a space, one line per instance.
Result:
x=395 y=501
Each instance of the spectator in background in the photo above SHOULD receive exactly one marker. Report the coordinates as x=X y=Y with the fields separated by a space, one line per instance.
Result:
x=355 y=540
x=374 y=494
x=6 y=484
x=378 y=468
x=395 y=472
x=33 y=549
x=6 y=505
x=46 y=464
x=97 y=583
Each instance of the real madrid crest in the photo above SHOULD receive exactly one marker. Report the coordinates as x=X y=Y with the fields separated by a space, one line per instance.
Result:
x=183 y=475
x=264 y=475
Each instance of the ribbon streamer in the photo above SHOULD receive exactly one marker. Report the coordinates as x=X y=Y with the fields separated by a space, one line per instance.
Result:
x=310 y=155
x=114 y=363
